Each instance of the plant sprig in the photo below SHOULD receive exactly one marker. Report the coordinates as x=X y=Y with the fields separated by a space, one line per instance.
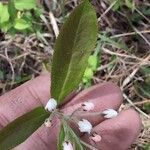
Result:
x=68 y=139
x=72 y=49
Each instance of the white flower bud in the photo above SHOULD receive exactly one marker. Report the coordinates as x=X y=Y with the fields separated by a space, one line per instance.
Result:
x=85 y=126
x=109 y=113
x=48 y=123
x=67 y=146
x=51 y=105
x=87 y=106
x=96 y=138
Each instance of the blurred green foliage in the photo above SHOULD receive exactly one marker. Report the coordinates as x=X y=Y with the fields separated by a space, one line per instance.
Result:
x=90 y=70
x=146 y=107
x=119 y=3
x=19 y=16
x=143 y=87
x=147 y=147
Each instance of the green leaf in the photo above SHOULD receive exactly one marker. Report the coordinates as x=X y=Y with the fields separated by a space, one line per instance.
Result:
x=147 y=146
x=38 y=11
x=21 y=128
x=5 y=26
x=61 y=137
x=67 y=134
x=88 y=74
x=4 y=15
x=143 y=88
x=112 y=42
x=11 y=9
x=146 y=107
x=21 y=24
x=72 y=50
x=93 y=61
x=145 y=70
x=75 y=139
x=117 y=5
x=129 y=4
x=1 y=75
x=25 y=4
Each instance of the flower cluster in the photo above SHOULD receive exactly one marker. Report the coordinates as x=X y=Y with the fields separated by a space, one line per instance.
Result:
x=84 y=125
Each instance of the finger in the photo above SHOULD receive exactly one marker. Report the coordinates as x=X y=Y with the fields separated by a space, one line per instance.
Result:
x=48 y=136
x=117 y=133
x=24 y=98
x=104 y=90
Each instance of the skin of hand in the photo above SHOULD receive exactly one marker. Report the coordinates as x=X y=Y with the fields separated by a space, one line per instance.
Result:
x=117 y=133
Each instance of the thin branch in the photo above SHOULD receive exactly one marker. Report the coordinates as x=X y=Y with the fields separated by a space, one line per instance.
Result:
x=88 y=146
x=130 y=33
x=138 y=109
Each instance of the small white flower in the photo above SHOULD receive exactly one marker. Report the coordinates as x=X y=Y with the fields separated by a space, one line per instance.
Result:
x=109 y=113
x=85 y=126
x=87 y=106
x=51 y=104
x=67 y=146
x=96 y=138
x=48 y=123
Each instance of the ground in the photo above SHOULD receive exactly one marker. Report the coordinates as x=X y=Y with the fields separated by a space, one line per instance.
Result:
x=123 y=52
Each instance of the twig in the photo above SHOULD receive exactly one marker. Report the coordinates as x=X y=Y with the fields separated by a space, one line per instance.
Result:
x=20 y=56
x=138 y=32
x=142 y=102
x=88 y=146
x=130 y=77
x=130 y=33
x=107 y=10
x=142 y=15
x=54 y=24
x=132 y=104
x=119 y=54
x=102 y=67
x=46 y=22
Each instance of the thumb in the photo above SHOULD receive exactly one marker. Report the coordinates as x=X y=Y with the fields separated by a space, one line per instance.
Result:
x=24 y=98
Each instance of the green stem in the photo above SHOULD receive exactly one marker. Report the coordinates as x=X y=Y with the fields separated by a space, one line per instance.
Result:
x=88 y=146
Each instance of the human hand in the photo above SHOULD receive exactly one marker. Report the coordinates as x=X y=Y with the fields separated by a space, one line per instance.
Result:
x=117 y=133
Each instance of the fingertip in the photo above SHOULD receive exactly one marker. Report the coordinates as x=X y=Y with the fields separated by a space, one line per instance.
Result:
x=129 y=122
x=119 y=132
x=114 y=88
x=134 y=119
x=24 y=98
x=107 y=91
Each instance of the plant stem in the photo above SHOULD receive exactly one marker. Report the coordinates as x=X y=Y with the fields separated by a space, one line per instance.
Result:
x=87 y=145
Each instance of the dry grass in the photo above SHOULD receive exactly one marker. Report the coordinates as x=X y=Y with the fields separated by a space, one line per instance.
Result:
x=124 y=47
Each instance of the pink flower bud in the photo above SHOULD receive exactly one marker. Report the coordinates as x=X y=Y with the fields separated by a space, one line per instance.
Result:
x=96 y=138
